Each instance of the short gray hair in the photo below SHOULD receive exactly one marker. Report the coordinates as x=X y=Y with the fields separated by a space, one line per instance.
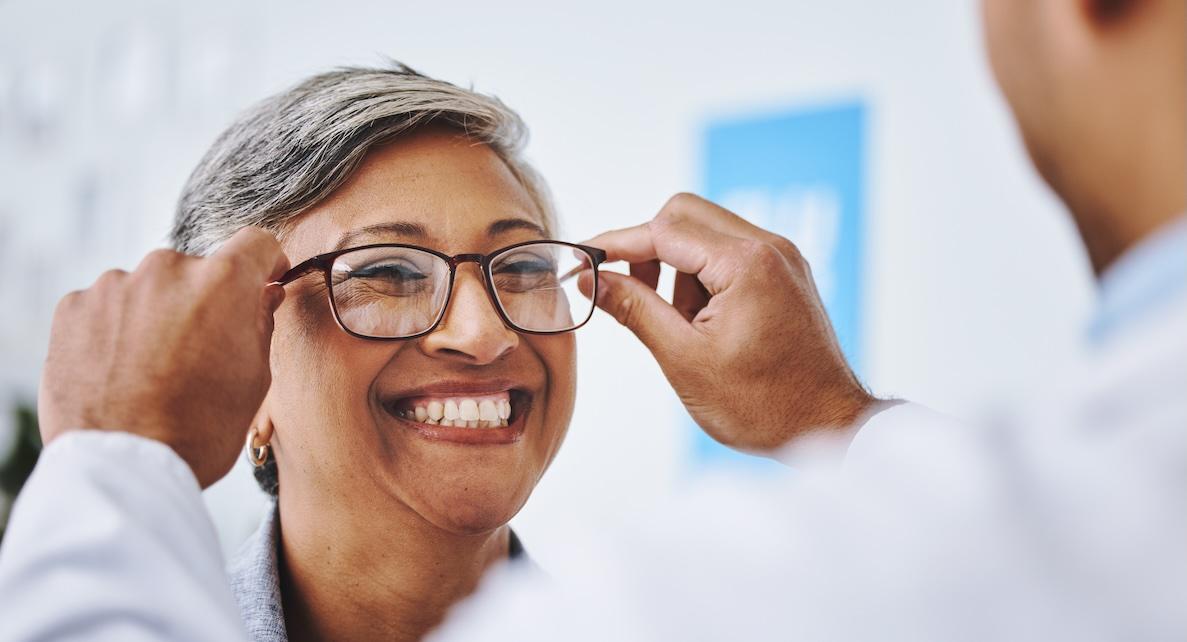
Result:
x=292 y=150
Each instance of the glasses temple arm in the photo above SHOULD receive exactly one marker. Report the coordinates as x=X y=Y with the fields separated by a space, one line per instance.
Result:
x=298 y=271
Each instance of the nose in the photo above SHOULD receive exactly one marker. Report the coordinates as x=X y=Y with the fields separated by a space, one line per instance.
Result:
x=471 y=332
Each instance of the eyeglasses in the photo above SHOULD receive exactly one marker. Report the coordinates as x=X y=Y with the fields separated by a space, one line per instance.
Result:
x=393 y=291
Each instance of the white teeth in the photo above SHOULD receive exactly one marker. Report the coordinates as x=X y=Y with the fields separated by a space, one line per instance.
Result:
x=487 y=411
x=462 y=413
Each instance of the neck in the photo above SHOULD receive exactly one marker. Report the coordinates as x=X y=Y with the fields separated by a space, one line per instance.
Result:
x=1108 y=237
x=386 y=574
x=1122 y=204
x=1125 y=177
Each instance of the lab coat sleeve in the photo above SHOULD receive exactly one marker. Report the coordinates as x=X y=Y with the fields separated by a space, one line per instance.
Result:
x=929 y=530
x=110 y=540
x=722 y=559
x=889 y=428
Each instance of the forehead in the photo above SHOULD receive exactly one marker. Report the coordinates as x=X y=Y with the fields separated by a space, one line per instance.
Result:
x=434 y=188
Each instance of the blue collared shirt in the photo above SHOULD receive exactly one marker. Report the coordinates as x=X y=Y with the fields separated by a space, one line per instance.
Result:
x=1147 y=277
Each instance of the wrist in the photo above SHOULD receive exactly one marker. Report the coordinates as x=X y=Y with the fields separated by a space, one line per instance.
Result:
x=847 y=409
x=862 y=405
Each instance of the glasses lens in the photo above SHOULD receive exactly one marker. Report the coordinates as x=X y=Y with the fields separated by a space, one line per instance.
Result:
x=389 y=292
x=536 y=286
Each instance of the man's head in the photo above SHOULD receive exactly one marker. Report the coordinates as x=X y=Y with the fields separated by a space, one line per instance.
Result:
x=1099 y=89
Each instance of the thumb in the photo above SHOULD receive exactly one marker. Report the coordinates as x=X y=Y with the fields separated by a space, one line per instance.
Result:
x=638 y=307
x=271 y=298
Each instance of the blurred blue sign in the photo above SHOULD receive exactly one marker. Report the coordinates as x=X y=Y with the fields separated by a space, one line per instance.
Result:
x=799 y=173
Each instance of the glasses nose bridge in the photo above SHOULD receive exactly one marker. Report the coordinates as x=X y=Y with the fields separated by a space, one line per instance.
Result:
x=477 y=259
x=456 y=260
x=480 y=260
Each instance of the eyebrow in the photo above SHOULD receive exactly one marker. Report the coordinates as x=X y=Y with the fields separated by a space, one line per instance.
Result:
x=513 y=224
x=419 y=232
x=414 y=230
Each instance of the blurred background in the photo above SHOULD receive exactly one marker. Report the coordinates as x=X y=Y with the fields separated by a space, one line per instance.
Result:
x=868 y=132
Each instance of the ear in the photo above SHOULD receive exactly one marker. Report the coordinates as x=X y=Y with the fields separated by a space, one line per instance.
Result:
x=1078 y=31
x=1104 y=16
x=1103 y=13
x=262 y=422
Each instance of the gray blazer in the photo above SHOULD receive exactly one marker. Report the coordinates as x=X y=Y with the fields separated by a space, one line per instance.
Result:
x=255 y=579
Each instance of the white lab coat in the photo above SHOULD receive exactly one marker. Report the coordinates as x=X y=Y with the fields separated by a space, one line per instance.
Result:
x=1064 y=520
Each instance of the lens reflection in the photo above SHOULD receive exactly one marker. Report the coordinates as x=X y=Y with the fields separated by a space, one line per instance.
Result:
x=389 y=292
x=536 y=285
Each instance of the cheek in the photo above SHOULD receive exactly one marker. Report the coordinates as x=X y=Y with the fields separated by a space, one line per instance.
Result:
x=1017 y=35
x=303 y=353
x=559 y=355
x=308 y=343
x=994 y=34
x=321 y=384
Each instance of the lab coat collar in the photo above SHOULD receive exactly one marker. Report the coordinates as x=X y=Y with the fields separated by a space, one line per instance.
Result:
x=1143 y=281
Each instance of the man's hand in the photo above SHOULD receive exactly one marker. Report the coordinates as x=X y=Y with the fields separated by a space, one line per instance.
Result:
x=746 y=342
x=176 y=351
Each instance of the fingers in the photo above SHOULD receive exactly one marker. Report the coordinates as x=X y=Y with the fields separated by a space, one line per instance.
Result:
x=653 y=241
x=273 y=296
x=689 y=296
x=683 y=218
x=647 y=272
x=680 y=210
x=634 y=244
x=693 y=208
x=638 y=307
x=688 y=246
x=256 y=250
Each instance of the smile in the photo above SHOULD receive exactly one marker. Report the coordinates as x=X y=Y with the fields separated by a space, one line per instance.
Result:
x=464 y=417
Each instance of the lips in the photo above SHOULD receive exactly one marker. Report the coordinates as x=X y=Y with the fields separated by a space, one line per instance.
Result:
x=463 y=412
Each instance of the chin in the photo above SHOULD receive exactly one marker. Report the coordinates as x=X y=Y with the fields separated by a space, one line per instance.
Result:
x=471 y=511
x=474 y=520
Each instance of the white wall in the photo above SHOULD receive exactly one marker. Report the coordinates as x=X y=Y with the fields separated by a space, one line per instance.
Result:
x=974 y=279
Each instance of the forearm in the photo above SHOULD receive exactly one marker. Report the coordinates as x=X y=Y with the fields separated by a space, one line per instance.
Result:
x=110 y=541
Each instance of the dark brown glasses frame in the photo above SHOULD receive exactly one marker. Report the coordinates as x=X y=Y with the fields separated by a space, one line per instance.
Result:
x=325 y=263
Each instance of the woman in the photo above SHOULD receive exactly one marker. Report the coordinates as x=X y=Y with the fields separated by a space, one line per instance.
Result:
x=417 y=396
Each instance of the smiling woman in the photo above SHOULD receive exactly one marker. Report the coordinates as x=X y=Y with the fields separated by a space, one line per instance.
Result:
x=423 y=369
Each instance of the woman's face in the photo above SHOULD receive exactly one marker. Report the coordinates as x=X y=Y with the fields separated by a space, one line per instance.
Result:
x=344 y=408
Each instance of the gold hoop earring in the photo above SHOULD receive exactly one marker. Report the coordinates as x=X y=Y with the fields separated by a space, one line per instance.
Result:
x=257 y=455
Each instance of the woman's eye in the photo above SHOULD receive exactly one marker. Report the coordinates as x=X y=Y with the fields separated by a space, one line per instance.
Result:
x=390 y=272
x=525 y=267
